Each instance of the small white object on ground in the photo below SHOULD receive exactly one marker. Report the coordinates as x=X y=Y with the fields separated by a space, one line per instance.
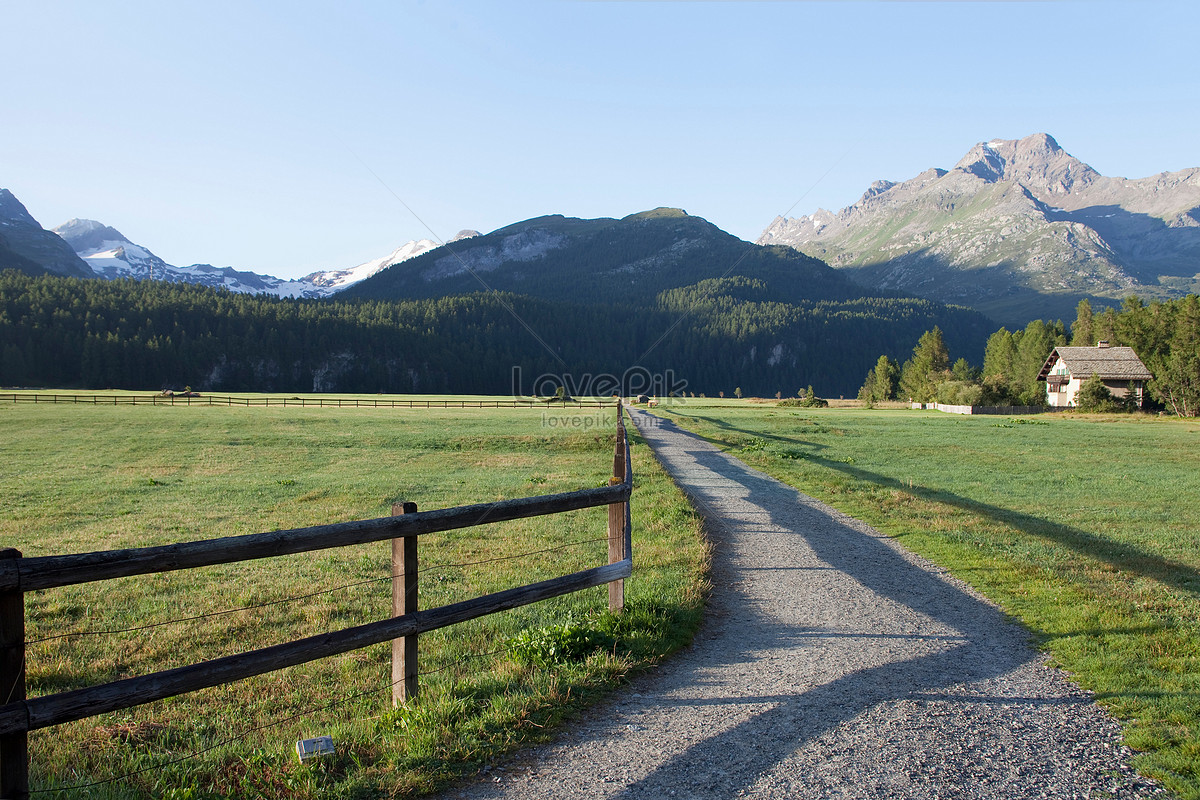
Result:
x=311 y=748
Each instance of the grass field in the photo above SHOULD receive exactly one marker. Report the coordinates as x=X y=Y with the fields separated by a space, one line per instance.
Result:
x=78 y=478
x=1085 y=528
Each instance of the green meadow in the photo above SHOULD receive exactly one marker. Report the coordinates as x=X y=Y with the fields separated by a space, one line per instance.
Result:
x=1084 y=528
x=82 y=478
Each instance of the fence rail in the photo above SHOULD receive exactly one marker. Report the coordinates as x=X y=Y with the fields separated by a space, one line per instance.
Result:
x=48 y=572
x=295 y=401
x=18 y=575
x=1008 y=411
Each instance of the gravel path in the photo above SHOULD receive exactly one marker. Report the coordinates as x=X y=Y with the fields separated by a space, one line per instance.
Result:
x=832 y=663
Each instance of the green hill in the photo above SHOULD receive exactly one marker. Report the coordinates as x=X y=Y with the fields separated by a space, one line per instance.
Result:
x=625 y=261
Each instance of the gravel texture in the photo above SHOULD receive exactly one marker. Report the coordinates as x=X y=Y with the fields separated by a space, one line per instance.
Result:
x=832 y=663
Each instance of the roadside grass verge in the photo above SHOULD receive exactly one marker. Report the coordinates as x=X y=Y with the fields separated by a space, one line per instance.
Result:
x=76 y=479
x=1085 y=528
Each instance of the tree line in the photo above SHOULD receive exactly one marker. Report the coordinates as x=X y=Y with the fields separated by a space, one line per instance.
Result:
x=714 y=336
x=1164 y=334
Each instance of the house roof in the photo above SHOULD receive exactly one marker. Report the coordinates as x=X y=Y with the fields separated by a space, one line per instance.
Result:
x=1110 y=363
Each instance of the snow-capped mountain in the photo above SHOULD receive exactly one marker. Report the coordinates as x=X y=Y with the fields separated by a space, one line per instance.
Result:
x=337 y=279
x=111 y=255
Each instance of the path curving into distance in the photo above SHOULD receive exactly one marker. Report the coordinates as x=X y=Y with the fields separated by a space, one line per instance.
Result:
x=832 y=663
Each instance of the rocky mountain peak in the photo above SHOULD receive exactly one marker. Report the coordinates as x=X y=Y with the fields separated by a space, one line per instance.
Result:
x=875 y=189
x=1018 y=227
x=34 y=247
x=662 y=212
x=88 y=234
x=1036 y=162
x=12 y=210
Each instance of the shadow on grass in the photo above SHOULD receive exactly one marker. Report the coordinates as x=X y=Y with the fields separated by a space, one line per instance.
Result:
x=1174 y=574
x=722 y=443
x=1098 y=632
x=827 y=675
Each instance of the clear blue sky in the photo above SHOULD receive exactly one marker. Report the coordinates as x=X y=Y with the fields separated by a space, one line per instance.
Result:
x=289 y=137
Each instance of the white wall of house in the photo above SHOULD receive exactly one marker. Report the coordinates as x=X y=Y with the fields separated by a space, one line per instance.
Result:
x=1065 y=397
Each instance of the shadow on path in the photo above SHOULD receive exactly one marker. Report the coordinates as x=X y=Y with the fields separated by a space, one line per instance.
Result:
x=832 y=662
x=961 y=639
x=1122 y=556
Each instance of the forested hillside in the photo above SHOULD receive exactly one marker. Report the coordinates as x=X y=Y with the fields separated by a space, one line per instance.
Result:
x=716 y=336
x=625 y=261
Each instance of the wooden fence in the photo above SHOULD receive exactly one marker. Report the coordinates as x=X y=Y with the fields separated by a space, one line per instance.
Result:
x=18 y=575
x=303 y=402
x=1007 y=411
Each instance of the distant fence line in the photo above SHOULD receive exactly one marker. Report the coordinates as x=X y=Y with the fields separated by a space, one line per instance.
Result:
x=1002 y=410
x=303 y=402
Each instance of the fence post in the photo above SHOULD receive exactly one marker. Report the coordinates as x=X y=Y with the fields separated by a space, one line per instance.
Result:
x=14 y=747
x=404 y=601
x=616 y=520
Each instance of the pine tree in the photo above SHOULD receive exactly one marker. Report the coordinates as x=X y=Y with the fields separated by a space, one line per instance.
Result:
x=1036 y=343
x=1083 y=330
x=1093 y=395
x=928 y=367
x=1177 y=376
x=887 y=379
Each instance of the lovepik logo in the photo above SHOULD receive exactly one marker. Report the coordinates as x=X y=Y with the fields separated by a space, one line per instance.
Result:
x=632 y=382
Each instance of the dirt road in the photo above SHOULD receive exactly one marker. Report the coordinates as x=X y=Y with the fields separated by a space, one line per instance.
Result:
x=833 y=663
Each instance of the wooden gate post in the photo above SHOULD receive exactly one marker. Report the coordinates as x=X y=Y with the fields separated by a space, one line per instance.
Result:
x=14 y=747
x=616 y=519
x=404 y=601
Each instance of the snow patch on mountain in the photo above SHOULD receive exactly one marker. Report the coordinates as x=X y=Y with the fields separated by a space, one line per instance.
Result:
x=337 y=279
x=123 y=260
x=111 y=255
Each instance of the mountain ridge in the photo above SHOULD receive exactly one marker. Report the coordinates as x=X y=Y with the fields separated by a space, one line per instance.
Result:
x=656 y=293
x=715 y=302
x=111 y=255
x=631 y=259
x=86 y=248
x=27 y=246
x=1017 y=228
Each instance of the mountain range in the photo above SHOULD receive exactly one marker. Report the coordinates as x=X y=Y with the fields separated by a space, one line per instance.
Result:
x=84 y=248
x=549 y=301
x=611 y=261
x=681 y=294
x=1018 y=229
